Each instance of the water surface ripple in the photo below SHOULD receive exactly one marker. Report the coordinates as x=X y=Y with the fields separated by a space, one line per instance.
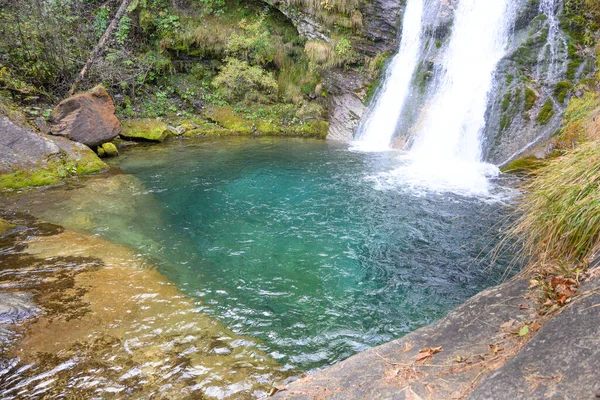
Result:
x=291 y=241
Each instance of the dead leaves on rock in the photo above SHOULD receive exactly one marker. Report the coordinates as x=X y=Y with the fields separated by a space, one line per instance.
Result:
x=427 y=353
x=564 y=288
x=556 y=290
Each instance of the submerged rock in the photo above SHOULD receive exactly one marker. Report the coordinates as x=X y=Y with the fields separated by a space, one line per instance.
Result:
x=14 y=307
x=87 y=118
x=5 y=227
x=145 y=130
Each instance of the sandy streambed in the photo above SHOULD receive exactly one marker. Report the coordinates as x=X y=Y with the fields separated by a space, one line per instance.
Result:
x=113 y=326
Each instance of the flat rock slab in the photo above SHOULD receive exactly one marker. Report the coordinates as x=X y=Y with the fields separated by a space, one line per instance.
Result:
x=483 y=356
x=562 y=361
x=476 y=338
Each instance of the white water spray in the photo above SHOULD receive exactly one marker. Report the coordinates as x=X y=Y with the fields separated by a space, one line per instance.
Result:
x=446 y=153
x=377 y=130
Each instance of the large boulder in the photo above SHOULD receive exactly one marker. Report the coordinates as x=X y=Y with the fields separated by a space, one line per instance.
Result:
x=28 y=158
x=87 y=118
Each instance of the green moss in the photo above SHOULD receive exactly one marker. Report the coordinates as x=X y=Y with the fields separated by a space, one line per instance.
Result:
x=530 y=99
x=372 y=88
x=268 y=127
x=110 y=149
x=546 y=112
x=145 y=130
x=561 y=90
x=227 y=118
x=53 y=172
x=21 y=179
x=5 y=226
x=316 y=129
x=523 y=165
x=506 y=102
x=575 y=61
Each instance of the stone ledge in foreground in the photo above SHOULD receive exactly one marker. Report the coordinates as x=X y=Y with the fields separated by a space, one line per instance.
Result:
x=483 y=356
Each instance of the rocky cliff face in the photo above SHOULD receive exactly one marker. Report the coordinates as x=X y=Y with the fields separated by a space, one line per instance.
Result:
x=374 y=31
x=533 y=83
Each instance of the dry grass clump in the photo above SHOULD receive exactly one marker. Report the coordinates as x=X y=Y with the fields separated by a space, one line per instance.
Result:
x=560 y=220
x=329 y=55
x=318 y=51
x=340 y=6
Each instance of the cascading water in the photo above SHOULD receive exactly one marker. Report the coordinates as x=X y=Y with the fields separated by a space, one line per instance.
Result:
x=550 y=57
x=446 y=149
x=376 y=131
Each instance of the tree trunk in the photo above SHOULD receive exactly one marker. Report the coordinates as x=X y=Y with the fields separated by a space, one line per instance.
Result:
x=100 y=46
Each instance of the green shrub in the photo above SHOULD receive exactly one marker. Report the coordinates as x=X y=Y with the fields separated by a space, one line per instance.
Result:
x=239 y=81
x=561 y=90
x=530 y=99
x=254 y=44
x=546 y=112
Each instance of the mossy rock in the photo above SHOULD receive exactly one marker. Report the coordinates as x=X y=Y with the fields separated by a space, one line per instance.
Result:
x=268 y=127
x=523 y=166
x=110 y=150
x=228 y=119
x=147 y=130
x=53 y=172
x=315 y=129
x=89 y=163
x=5 y=227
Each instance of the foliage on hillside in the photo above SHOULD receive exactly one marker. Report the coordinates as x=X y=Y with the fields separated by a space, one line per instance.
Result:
x=166 y=58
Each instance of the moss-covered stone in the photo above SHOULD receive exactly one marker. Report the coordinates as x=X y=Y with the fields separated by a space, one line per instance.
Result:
x=53 y=172
x=268 y=127
x=228 y=119
x=148 y=130
x=522 y=166
x=89 y=163
x=110 y=150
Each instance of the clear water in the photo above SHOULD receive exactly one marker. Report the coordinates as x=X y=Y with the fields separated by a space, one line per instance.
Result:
x=295 y=242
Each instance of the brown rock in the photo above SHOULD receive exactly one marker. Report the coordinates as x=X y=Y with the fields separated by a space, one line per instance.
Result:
x=87 y=118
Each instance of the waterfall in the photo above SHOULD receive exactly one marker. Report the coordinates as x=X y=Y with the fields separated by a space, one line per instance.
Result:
x=550 y=55
x=446 y=139
x=377 y=129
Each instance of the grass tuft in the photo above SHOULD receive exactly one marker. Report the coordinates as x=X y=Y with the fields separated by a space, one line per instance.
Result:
x=560 y=212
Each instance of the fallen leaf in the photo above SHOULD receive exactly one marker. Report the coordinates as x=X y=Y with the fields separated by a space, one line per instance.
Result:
x=524 y=330
x=495 y=348
x=427 y=353
x=461 y=359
